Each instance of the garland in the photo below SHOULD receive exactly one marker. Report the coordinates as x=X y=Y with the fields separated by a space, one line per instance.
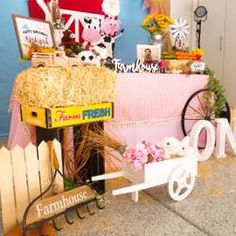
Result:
x=215 y=87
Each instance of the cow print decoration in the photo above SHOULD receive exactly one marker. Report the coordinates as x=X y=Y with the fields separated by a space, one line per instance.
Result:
x=89 y=58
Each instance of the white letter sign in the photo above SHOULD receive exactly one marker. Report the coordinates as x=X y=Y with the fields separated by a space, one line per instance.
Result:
x=210 y=139
x=224 y=131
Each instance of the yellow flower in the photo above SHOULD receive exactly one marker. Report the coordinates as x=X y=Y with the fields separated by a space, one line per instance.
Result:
x=147 y=19
x=152 y=29
x=156 y=22
x=198 y=51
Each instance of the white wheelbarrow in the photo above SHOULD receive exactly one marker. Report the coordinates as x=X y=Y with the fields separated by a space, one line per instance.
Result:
x=179 y=173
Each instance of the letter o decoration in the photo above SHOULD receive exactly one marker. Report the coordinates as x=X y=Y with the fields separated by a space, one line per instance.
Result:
x=210 y=142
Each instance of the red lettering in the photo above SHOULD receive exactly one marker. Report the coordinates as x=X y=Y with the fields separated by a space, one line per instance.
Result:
x=62 y=116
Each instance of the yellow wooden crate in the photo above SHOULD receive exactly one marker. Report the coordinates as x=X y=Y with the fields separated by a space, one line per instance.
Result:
x=66 y=116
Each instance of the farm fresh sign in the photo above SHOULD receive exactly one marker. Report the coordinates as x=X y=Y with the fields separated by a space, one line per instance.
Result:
x=57 y=204
x=66 y=116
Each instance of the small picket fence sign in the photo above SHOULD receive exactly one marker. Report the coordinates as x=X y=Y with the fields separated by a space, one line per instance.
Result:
x=24 y=174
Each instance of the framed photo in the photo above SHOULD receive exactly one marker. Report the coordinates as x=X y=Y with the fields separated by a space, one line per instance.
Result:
x=148 y=53
x=32 y=34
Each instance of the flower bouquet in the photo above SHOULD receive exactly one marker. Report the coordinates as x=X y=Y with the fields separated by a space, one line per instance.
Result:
x=142 y=153
x=156 y=23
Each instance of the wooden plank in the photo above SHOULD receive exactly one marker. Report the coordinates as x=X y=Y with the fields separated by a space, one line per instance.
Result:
x=108 y=176
x=20 y=180
x=32 y=167
x=59 y=203
x=7 y=191
x=59 y=183
x=44 y=167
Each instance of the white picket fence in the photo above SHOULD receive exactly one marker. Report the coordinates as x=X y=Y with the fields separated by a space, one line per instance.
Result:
x=24 y=174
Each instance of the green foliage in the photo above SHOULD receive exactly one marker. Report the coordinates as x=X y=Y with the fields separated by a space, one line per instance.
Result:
x=215 y=87
x=69 y=185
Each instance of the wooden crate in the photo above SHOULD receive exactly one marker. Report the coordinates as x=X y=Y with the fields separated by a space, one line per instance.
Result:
x=66 y=116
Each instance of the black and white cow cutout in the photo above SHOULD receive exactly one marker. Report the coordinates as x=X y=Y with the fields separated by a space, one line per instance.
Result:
x=107 y=42
x=91 y=29
x=89 y=58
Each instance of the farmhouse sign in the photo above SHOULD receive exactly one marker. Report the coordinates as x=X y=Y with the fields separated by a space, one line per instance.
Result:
x=136 y=67
x=57 y=204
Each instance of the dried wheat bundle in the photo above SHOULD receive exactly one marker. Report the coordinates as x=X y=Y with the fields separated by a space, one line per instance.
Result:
x=51 y=87
x=95 y=139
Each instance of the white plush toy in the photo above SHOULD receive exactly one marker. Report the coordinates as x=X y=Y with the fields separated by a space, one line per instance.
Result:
x=89 y=58
x=184 y=149
x=170 y=146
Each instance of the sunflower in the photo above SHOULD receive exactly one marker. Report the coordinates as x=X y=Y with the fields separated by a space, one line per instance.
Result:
x=156 y=23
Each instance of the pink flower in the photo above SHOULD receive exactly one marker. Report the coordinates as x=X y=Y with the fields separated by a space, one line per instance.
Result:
x=129 y=153
x=156 y=152
x=138 y=155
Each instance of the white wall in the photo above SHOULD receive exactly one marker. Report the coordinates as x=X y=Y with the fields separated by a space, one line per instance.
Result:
x=229 y=75
x=184 y=9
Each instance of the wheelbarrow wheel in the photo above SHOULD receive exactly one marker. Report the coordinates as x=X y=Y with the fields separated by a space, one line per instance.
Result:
x=196 y=109
x=181 y=183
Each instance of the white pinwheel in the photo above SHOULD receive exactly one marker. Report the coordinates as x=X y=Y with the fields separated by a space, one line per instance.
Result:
x=180 y=29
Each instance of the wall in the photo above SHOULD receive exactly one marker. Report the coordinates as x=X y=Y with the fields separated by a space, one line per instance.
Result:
x=9 y=57
x=185 y=9
x=131 y=16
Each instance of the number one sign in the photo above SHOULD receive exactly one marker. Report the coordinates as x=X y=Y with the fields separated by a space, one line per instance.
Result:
x=222 y=135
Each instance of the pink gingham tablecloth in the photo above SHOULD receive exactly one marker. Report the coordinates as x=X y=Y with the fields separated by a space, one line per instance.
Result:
x=149 y=106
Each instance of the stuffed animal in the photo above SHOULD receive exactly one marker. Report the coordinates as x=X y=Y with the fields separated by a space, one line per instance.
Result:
x=110 y=26
x=91 y=31
x=107 y=42
x=184 y=149
x=170 y=146
x=89 y=58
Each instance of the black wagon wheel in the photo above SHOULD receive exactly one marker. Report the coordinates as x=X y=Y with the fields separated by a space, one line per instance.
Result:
x=196 y=109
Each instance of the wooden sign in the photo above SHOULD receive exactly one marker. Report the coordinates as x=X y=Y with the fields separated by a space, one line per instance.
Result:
x=57 y=204
x=198 y=66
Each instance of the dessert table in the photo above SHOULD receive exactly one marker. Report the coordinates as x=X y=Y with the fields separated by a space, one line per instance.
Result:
x=148 y=106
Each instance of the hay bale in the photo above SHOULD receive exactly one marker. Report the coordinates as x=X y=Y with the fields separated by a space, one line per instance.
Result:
x=51 y=87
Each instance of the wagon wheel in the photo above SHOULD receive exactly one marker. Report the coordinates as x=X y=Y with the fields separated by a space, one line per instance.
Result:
x=181 y=183
x=196 y=109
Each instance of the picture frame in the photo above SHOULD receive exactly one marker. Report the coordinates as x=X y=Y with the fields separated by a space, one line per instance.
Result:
x=148 y=53
x=31 y=34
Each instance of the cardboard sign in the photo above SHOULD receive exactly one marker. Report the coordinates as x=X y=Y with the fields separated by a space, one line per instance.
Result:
x=32 y=33
x=57 y=204
x=198 y=66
